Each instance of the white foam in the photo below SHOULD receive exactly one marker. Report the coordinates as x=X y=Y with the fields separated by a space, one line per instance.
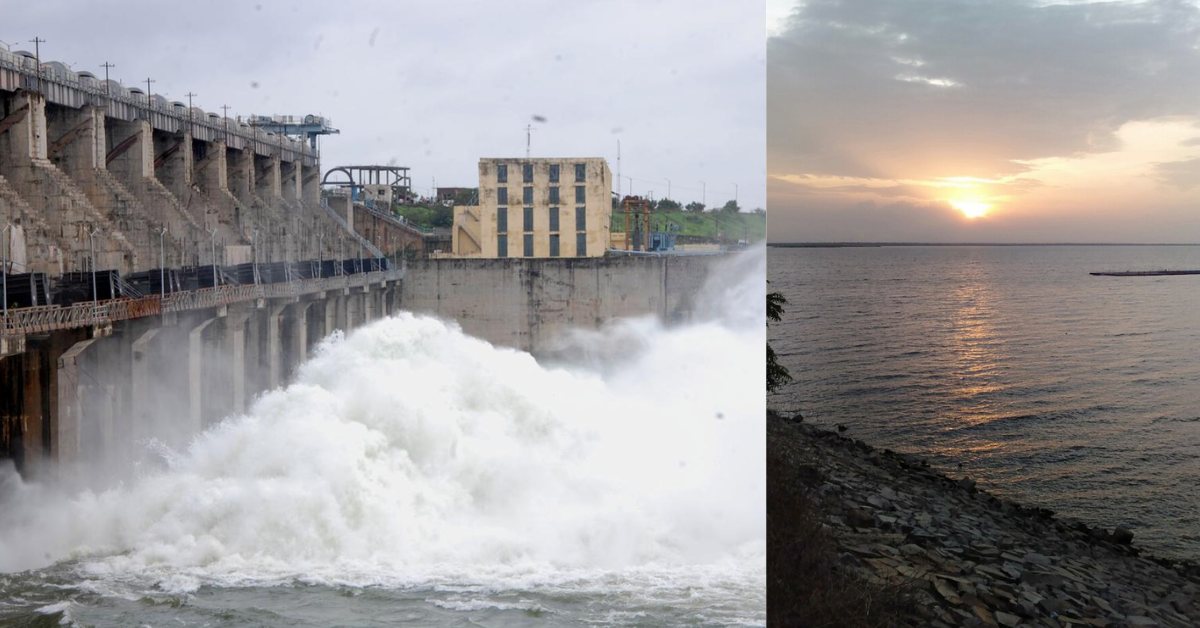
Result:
x=409 y=453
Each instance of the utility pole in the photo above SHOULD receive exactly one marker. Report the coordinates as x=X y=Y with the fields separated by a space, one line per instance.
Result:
x=37 y=56
x=619 y=171
x=149 y=102
x=668 y=188
x=106 y=65
x=190 y=120
x=225 y=112
x=703 y=194
x=735 y=194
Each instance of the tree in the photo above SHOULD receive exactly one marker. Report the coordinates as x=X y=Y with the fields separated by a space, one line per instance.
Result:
x=695 y=207
x=441 y=216
x=758 y=211
x=731 y=207
x=667 y=205
x=467 y=197
x=777 y=374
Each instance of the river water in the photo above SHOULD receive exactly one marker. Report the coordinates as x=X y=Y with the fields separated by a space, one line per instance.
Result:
x=411 y=473
x=1076 y=393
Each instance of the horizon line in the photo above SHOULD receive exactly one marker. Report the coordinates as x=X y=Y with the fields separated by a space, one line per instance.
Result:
x=851 y=243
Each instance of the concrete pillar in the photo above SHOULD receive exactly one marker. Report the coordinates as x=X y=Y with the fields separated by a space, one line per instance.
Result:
x=310 y=184
x=25 y=137
x=274 y=348
x=296 y=348
x=76 y=138
x=353 y=310
x=143 y=361
x=196 y=389
x=173 y=164
x=72 y=402
x=210 y=166
x=133 y=151
x=240 y=174
x=289 y=172
x=36 y=366
x=235 y=349
x=266 y=177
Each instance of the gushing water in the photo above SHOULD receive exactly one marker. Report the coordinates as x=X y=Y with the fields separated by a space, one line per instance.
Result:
x=407 y=453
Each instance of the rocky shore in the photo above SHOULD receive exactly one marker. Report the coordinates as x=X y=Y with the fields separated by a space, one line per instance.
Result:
x=971 y=559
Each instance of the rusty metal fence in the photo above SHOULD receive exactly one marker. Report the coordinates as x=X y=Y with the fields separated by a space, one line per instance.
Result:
x=42 y=319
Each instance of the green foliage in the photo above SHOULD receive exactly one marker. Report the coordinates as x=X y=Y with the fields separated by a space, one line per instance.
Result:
x=667 y=205
x=752 y=227
x=695 y=207
x=428 y=216
x=730 y=207
x=777 y=374
x=467 y=197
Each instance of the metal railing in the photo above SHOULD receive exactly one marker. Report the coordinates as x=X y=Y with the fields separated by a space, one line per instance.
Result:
x=46 y=318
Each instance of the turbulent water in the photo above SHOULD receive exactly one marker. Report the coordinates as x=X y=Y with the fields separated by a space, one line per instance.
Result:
x=1073 y=392
x=413 y=473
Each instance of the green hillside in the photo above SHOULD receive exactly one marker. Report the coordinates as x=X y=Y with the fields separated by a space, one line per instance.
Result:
x=739 y=226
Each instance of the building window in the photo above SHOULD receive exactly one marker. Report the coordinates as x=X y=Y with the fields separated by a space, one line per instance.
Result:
x=554 y=245
x=554 y=173
x=502 y=220
x=580 y=194
x=527 y=173
x=502 y=196
x=554 y=219
x=580 y=172
x=528 y=219
x=581 y=219
x=502 y=173
x=501 y=245
x=528 y=196
x=554 y=195
x=581 y=245
x=528 y=245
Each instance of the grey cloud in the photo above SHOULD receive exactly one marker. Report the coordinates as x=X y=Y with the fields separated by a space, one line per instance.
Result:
x=1184 y=175
x=1024 y=82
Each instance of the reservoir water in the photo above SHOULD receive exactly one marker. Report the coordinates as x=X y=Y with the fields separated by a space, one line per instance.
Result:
x=1058 y=389
x=411 y=473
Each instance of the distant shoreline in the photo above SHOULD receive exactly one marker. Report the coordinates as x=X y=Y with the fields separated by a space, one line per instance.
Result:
x=837 y=245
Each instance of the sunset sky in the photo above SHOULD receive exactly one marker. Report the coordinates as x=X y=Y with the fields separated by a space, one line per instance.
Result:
x=952 y=121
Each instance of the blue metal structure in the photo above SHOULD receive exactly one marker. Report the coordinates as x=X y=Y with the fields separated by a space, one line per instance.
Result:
x=308 y=127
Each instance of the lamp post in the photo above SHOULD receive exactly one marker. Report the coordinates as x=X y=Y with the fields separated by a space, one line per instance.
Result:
x=4 y=270
x=162 y=261
x=212 y=235
x=668 y=187
x=703 y=193
x=92 y=246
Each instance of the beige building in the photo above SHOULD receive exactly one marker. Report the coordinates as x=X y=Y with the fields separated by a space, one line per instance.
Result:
x=537 y=208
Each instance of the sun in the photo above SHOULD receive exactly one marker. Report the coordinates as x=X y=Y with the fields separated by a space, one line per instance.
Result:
x=971 y=209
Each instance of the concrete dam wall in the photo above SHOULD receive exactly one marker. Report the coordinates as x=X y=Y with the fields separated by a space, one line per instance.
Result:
x=529 y=303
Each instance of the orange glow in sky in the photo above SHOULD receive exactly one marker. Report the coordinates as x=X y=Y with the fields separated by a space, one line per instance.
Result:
x=971 y=209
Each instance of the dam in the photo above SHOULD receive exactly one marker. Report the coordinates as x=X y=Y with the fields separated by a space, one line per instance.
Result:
x=245 y=267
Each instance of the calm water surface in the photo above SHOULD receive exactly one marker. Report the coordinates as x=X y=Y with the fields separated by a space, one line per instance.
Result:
x=1053 y=387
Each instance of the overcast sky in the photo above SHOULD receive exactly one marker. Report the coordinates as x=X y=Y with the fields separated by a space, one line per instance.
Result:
x=894 y=120
x=437 y=85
